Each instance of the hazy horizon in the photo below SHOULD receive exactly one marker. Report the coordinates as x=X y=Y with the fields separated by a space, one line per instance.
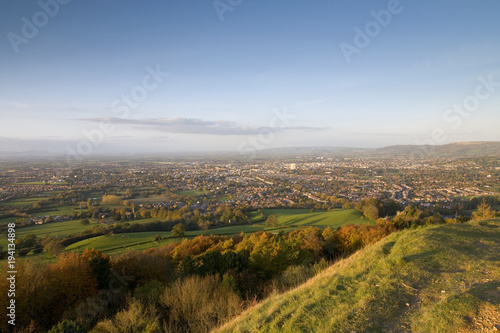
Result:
x=98 y=78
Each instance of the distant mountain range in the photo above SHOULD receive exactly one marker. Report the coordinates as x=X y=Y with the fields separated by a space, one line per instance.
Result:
x=465 y=149
x=461 y=149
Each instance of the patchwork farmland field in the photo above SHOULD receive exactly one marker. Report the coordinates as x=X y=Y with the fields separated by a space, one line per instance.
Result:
x=117 y=243
x=303 y=217
x=288 y=219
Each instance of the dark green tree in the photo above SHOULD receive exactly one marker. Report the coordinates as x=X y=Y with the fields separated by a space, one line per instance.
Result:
x=100 y=266
x=178 y=230
x=272 y=221
x=188 y=266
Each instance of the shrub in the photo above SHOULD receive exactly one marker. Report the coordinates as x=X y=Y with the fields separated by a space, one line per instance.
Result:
x=24 y=252
x=199 y=304
x=292 y=277
x=150 y=292
x=38 y=249
x=143 y=267
x=67 y=326
x=136 y=318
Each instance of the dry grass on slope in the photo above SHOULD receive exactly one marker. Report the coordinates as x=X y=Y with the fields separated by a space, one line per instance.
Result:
x=436 y=279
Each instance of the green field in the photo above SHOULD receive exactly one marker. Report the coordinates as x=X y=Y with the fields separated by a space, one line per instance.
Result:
x=113 y=244
x=54 y=229
x=255 y=216
x=63 y=228
x=289 y=220
x=9 y=220
x=49 y=229
x=303 y=217
x=55 y=192
x=23 y=202
x=110 y=206
x=117 y=243
x=192 y=193
x=51 y=210
x=42 y=183
x=152 y=199
x=437 y=279
x=61 y=210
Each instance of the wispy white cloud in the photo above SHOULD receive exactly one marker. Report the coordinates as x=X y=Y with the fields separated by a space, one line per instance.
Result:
x=196 y=126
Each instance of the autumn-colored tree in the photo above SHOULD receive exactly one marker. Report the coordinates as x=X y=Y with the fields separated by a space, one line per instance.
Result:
x=483 y=212
x=370 y=234
x=308 y=239
x=44 y=292
x=313 y=242
x=111 y=200
x=74 y=279
x=33 y=288
x=263 y=253
x=193 y=247
x=247 y=243
x=349 y=238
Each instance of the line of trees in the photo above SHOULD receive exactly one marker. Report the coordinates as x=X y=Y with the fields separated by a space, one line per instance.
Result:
x=188 y=286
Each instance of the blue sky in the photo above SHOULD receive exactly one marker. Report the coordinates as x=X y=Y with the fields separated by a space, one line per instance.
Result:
x=228 y=79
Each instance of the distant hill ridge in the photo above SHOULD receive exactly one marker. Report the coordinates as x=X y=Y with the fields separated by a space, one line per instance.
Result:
x=459 y=149
x=435 y=279
x=465 y=149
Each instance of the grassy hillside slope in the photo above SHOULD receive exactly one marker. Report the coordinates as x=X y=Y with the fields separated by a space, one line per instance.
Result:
x=437 y=279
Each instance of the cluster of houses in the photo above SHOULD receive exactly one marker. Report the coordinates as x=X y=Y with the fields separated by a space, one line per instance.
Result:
x=48 y=219
x=264 y=183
